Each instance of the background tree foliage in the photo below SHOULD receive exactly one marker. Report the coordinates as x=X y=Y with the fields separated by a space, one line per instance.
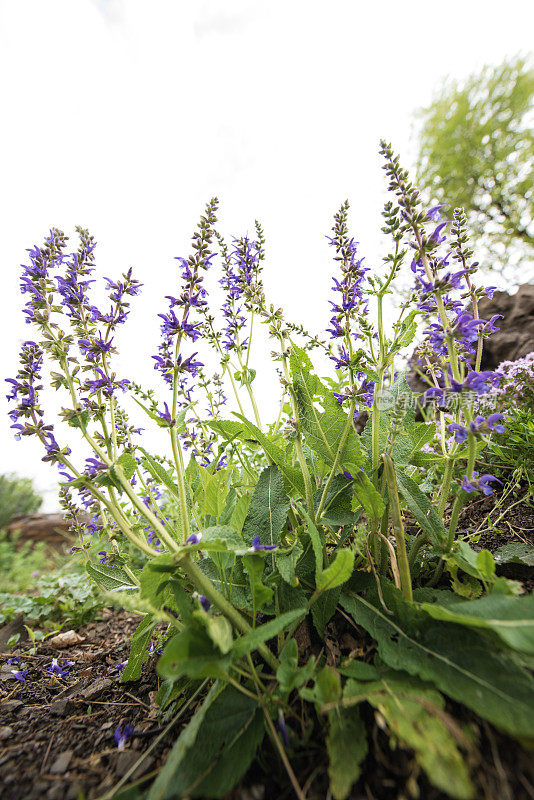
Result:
x=476 y=151
x=17 y=496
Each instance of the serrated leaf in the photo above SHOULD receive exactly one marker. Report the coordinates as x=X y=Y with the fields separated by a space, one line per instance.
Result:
x=317 y=544
x=113 y=579
x=367 y=496
x=515 y=553
x=286 y=563
x=246 y=430
x=215 y=492
x=323 y=608
x=268 y=508
x=250 y=641
x=128 y=464
x=289 y=675
x=139 y=645
x=159 y=473
x=240 y=512
x=511 y=618
x=217 y=752
x=415 y=716
x=338 y=572
x=459 y=661
x=423 y=510
x=323 y=430
x=192 y=653
x=346 y=744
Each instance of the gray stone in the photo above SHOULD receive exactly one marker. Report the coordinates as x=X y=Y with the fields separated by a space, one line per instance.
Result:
x=61 y=763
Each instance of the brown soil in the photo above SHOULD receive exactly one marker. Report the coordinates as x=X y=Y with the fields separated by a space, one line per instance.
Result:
x=57 y=736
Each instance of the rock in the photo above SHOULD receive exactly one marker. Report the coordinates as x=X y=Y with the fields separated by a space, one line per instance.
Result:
x=52 y=529
x=15 y=626
x=5 y=732
x=61 y=763
x=96 y=688
x=59 y=707
x=516 y=336
x=127 y=759
x=10 y=706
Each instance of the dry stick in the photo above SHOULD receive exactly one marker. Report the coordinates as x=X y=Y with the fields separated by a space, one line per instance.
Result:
x=46 y=756
x=289 y=769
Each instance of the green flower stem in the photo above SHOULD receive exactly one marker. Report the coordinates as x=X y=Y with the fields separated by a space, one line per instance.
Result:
x=308 y=489
x=462 y=496
x=206 y=587
x=445 y=486
x=417 y=544
x=337 y=458
x=396 y=516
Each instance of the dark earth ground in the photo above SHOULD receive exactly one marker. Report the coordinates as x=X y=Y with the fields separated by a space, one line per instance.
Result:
x=57 y=738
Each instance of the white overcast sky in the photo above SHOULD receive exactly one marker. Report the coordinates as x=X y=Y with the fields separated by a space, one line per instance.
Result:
x=126 y=116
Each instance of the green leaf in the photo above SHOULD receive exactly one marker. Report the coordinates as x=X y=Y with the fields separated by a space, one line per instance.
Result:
x=154 y=580
x=112 y=579
x=140 y=643
x=423 y=510
x=261 y=594
x=323 y=608
x=159 y=472
x=477 y=563
x=289 y=675
x=346 y=744
x=222 y=748
x=460 y=662
x=317 y=544
x=515 y=553
x=239 y=513
x=192 y=653
x=218 y=629
x=215 y=494
x=367 y=495
x=415 y=716
x=323 y=430
x=245 y=431
x=511 y=618
x=162 y=788
x=360 y=671
x=128 y=464
x=338 y=572
x=250 y=641
x=221 y=537
x=286 y=563
x=268 y=508
x=326 y=689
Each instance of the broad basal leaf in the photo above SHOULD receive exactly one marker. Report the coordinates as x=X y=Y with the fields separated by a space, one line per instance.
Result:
x=460 y=662
x=511 y=618
x=415 y=716
x=346 y=744
x=218 y=751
